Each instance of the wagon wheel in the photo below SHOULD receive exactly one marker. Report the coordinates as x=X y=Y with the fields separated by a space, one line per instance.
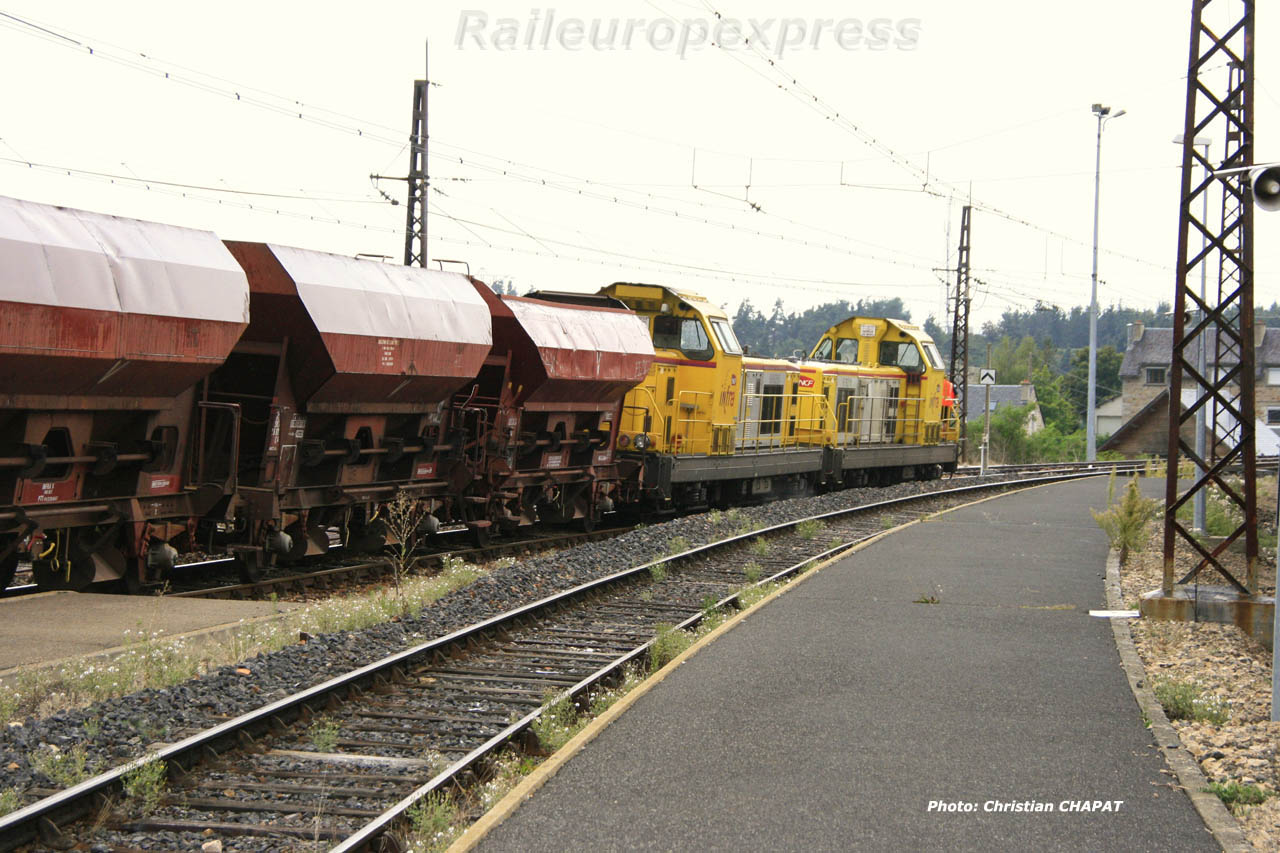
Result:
x=132 y=579
x=8 y=566
x=479 y=535
x=249 y=566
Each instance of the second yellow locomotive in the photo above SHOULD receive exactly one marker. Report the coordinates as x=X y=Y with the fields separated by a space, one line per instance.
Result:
x=715 y=426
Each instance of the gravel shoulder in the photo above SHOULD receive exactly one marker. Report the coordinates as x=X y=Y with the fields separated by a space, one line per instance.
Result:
x=1231 y=670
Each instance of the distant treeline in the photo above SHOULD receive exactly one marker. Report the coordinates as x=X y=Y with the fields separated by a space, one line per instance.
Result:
x=782 y=333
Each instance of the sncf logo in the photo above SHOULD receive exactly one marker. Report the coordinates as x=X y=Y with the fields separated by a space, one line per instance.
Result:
x=806 y=381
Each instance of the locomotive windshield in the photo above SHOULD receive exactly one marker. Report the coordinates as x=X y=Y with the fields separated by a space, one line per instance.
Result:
x=846 y=350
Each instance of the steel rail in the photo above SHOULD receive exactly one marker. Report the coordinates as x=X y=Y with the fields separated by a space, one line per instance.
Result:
x=39 y=820
x=382 y=566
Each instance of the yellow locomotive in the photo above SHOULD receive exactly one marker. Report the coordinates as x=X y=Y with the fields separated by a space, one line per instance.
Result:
x=715 y=426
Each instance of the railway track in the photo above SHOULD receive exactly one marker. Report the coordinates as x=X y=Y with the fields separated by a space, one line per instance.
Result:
x=1121 y=466
x=357 y=571
x=287 y=582
x=432 y=716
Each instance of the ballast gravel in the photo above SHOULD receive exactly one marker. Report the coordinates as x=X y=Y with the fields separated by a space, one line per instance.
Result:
x=127 y=726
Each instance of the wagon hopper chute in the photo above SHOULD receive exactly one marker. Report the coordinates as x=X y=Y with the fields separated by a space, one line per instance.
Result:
x=106 y=324
x=347 y=368
x=568 y=360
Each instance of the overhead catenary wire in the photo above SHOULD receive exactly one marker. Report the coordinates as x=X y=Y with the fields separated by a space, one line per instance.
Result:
x=367 y=129
x=626 y=195
x=791 y=85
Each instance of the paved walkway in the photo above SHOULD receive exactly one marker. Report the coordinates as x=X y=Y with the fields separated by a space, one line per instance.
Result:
x=840 y=715
x=51 y=626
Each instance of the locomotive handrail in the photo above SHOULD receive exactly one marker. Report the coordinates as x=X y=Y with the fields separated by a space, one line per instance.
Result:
x=692 y=421
x=780 y=439
x=653 y=410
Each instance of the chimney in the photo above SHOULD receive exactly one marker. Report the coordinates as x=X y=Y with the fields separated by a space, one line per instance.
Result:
x=1259 y=332
x=1135 y=332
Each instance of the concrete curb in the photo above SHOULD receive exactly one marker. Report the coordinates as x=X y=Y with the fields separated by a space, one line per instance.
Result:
x=1220 y=822
x=505 y=807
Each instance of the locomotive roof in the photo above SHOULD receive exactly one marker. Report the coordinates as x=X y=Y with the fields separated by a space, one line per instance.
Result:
x=658 y=292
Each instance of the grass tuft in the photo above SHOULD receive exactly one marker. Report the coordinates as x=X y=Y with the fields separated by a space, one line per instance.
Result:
x=433 y=823
x=557 y=723
x=1126 y=523
x=669 y=643
x=1185 y=700
x=62 y=767
x=10 y=801
x=1235 y=794
x=324 y=733
x=810 y=529
x=145 y=785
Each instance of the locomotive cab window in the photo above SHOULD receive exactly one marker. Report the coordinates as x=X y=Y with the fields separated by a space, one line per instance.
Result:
x=728 y=340
x=902 y=354
x=847 y=350
x=683 y=333
x=935 y=359
x=823 y=352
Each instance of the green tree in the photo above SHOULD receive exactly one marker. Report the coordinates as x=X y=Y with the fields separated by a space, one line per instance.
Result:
x=780 y=334
x=1055 y=407
x=1076 y=380
x=1009 y=442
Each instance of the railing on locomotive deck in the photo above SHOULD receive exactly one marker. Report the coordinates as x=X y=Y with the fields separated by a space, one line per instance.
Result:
x=856 y=422
x=773 y=433
x=949 y=426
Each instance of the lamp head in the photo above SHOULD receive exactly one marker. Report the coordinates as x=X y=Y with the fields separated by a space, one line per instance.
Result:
x=1100 y=110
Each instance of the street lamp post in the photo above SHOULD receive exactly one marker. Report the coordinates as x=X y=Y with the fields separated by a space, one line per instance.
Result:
x=1091 y=416
x=1199 y=500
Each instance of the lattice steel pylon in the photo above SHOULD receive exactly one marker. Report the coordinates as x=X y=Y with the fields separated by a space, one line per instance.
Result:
x=1227 y=319
x=960 y=324
x=415 y=225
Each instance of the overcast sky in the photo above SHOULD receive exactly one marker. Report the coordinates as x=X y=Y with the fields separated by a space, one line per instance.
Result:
x=571 y=166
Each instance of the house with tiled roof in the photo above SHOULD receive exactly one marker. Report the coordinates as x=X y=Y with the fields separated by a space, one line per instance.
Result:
x=1003 y=396
x=1144 y=377
x=1144 y=372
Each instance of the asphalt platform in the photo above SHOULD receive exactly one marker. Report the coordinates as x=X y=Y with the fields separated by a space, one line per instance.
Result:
x=53 y=626
x=843 y=713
